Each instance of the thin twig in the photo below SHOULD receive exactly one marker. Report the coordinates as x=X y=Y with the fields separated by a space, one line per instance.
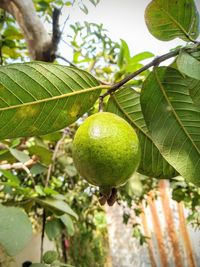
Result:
x=3 y=146
x=100 y=109
x=55 y=28
x=50 y=169
x=22 y=166
x=155 y=62
x=1 y=56
x=92 y=64
x=64 y=24
x=65 y=132
x=74 y=48
x=42 y=234
x=66 y=60
x=64 y=252
x=19 y=165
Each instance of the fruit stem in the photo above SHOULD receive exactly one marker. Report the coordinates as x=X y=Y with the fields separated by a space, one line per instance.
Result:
x=109 y=195
x=100 y=104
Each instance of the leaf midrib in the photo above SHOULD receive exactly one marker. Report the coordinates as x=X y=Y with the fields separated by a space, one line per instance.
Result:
x=173 y=110
x=56 y=97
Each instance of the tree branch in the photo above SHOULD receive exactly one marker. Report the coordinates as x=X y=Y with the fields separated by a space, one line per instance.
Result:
x=56 y=32
x=20 y=165
x=41 y=45
x=42 y=234
x=155 y=62
x=50 y=169
x=66 y=60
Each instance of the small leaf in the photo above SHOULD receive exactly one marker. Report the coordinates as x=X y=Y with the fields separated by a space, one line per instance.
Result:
x=38 y=169
x=168 y=19
x=58 y=205
x=67 y=221
x=44 y=154
x=53 y=229
x=19 y=155
x=124 y=54
x=84 y=8
x=11 y=177
x=94 y=2
x=189 y=65
x=50 y=192
x=5 y=155
x=68 y=3
x=15 y=229
x=39 y=190
x=9 y=43
x=12 y=33
x=141 y=56
x=10 y=52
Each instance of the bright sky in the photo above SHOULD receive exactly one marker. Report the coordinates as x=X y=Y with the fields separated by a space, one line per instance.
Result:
x=123 y=19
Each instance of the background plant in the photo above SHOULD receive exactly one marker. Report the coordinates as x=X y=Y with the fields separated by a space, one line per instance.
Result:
x=161 y=103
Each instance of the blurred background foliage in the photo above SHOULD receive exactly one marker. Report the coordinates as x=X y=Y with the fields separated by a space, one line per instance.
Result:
x=38 y=174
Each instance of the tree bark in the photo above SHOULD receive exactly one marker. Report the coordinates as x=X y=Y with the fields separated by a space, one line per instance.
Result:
x=40 y=44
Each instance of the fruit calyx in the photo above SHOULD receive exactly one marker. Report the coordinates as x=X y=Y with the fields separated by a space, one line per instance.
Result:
x=108 y=195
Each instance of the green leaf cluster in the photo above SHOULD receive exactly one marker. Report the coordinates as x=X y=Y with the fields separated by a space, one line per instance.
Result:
x=38 y=100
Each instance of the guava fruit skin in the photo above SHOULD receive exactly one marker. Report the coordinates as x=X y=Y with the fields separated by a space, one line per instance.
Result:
x=106 y=150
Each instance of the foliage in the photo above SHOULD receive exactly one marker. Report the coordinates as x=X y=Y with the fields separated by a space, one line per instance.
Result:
x=168 y=87
x=90 y=244
x=65 y=87
x=93 y=49
x=37 y=173
x=166 y=20
x=28 y=190
x=14 y=216
x=12 y=43
x=123 y=103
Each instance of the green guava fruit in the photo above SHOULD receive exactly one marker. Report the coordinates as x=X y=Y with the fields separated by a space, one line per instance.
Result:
x=106 y=151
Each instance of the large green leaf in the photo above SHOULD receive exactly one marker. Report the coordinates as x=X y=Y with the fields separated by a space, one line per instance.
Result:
x=126 y=103
x=173 y=120
x=140 y=57
x=194 y=88
x=189 y=65
x=39 y=98
x=15 y=230
x=168 y=19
